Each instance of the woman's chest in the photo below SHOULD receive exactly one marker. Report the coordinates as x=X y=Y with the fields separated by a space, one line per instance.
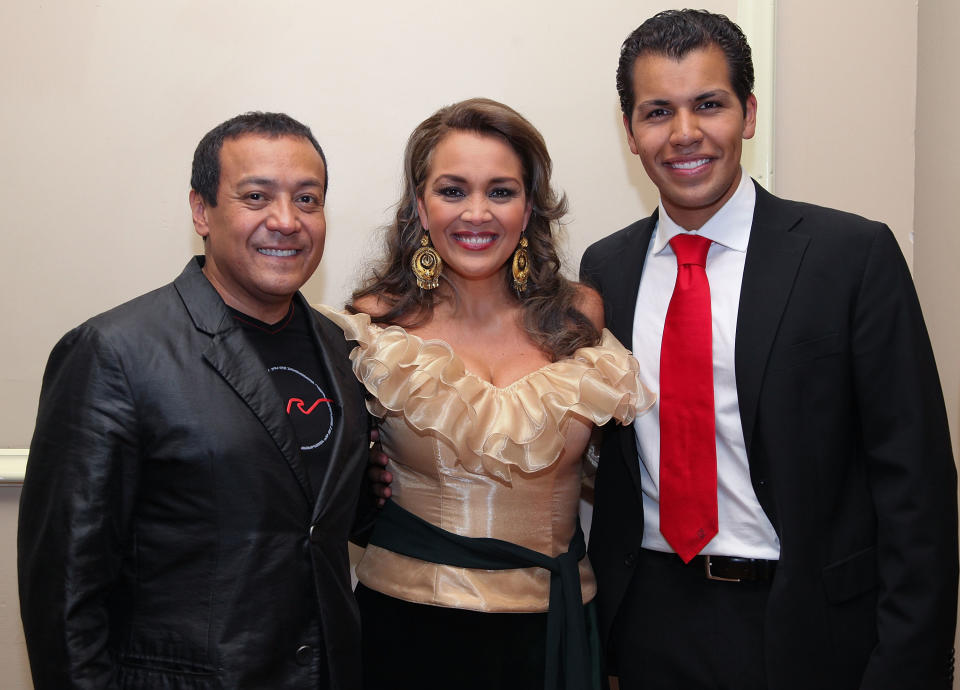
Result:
x=500 y=357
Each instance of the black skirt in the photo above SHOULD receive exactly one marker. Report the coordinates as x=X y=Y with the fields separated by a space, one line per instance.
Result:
x=408 y=645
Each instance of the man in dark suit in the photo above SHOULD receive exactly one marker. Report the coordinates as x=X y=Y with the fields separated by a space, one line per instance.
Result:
x=198 y=455
x=811 y=541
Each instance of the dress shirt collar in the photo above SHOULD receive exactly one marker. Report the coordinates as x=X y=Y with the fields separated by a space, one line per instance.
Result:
x=729 y=226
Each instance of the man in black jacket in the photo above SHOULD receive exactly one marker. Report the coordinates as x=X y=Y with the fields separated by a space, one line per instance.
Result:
x=811 y=539
x=197 y=461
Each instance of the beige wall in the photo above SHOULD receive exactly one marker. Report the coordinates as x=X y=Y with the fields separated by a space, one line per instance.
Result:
x=845 y=109
x=14 y=671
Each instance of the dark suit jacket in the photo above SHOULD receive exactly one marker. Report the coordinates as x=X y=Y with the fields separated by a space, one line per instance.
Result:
x=169 y=535
x=847 y=442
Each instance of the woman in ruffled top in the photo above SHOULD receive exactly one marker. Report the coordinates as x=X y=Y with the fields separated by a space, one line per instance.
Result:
x=488 y=370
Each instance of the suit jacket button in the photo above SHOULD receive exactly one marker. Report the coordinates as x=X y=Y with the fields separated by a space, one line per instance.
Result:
x=630 y=559
x=304 y=655
x=315 y=534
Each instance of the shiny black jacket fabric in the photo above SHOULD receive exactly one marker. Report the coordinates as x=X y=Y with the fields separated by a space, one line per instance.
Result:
x=169 y=536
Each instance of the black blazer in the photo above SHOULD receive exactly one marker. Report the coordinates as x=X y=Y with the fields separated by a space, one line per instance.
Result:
x=169 y=536
x=848 y=446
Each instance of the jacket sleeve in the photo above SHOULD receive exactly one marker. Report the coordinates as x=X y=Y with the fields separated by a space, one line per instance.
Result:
x=367 y=509
x=912 y=477
x=75 y=512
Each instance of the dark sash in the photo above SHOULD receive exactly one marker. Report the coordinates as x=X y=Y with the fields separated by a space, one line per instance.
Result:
x=402 y=532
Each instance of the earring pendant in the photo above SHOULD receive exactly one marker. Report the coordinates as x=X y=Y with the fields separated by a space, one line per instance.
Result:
x=426 y=264
x=521 y=266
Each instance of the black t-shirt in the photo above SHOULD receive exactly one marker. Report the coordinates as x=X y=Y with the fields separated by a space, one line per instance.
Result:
x=293 y=363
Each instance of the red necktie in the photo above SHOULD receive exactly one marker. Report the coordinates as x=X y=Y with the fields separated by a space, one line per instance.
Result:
x=688 y=444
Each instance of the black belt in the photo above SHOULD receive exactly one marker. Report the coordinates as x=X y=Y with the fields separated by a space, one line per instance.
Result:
x=729 y=568
x=402 y=532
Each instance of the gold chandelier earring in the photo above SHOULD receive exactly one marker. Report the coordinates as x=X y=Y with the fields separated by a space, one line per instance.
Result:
x=521 y=266
x=426 y=264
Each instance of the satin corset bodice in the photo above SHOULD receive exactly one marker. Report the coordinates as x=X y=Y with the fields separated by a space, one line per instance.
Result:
x=483 y=461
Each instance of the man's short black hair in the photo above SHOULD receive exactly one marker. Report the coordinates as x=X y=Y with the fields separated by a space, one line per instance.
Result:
x=674 y=33
x=205 y=176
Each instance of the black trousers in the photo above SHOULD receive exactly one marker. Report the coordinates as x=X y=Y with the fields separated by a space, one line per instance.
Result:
x=677 y=630
x=426 y=647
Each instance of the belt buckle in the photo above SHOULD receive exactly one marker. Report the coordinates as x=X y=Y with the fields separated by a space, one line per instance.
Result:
x=708 y=567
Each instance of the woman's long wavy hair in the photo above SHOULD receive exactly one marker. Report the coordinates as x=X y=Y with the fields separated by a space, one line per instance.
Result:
x=550 y=314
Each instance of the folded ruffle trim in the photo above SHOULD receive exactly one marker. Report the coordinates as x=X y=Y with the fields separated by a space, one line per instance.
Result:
x=493 y=428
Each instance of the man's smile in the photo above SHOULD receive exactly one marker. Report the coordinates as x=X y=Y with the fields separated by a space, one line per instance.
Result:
x=687 y=165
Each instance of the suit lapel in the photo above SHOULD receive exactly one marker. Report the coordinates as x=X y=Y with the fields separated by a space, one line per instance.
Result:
x=774 y=254
x=232 y=357
x=346 y=391
x=230 y=354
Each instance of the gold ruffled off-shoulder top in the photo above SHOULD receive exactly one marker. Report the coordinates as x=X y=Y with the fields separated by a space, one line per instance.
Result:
x=483 y=461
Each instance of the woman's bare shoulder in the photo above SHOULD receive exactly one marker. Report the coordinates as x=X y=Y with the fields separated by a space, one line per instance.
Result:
x=590 y=304
x=374 y=305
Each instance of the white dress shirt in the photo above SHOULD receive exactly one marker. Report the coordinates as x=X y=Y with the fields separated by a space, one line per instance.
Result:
x=745 y=529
